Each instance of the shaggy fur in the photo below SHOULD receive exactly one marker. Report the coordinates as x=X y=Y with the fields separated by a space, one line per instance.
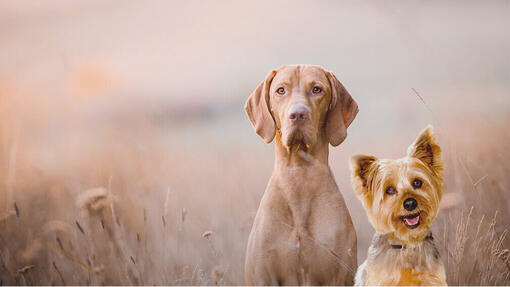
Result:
x=402 y=251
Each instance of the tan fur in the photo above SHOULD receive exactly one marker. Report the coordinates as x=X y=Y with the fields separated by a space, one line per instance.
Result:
x=302 y=233
x=417 y=262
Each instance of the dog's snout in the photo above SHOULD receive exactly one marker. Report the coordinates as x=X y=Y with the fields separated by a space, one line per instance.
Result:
x=410 y=204
x=298 y=114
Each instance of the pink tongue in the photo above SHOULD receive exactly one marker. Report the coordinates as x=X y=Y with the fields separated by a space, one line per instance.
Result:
x=412 y=221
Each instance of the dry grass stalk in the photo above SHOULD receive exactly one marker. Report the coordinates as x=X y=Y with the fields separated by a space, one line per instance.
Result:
x=68 y=256
x=59 y=273
x=79 y=227
x=16 y=209
x=25 y=268
x=427 y=107
x=483 y=243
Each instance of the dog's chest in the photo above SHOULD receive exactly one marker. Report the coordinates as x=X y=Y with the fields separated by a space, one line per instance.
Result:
x=312 y=253
x=403 y=277
x=304 y=223
x=417 y=265
x=314 y=235
x=306 y=238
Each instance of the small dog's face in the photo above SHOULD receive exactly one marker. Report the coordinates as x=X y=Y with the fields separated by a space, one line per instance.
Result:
x=401 y=197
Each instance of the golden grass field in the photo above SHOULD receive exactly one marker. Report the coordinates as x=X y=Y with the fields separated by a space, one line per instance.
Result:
x=139 y=203
x=126 y=157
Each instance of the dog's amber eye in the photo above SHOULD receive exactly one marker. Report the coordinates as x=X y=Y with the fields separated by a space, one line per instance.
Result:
x=417 y=183
x=391 y=190
x=280 y=91
x=316 y=90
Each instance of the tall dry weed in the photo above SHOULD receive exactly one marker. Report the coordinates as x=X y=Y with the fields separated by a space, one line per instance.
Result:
x=127 y=205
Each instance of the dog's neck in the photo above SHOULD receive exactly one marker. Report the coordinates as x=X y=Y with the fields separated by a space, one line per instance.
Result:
x=384 y=251
x=299 y=176
x=301 y=156
x=399 y=244
x=412 y=240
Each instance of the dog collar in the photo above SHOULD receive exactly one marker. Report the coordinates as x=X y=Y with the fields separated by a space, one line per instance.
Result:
x=400 y=246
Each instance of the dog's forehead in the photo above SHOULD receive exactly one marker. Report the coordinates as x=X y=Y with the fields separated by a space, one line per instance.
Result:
x=300 y=73
x=393 y=168
x=396 y=169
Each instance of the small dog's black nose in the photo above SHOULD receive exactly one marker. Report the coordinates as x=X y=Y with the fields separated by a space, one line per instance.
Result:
x=410 y=204
x=298 y=114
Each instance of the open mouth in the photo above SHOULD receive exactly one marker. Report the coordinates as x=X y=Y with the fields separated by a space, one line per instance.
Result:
x=412 y=220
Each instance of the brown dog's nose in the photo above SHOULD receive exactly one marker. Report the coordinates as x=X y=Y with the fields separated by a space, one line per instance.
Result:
x=298 y=114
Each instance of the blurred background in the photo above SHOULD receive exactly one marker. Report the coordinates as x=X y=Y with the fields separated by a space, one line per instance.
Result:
x=126 y=156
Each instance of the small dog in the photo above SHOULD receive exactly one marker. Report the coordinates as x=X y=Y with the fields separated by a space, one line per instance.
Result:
x=401 y=198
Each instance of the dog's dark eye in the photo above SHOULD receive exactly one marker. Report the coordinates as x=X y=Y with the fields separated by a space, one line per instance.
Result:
x=280 y=91
x=417 y=183
x=391 y=190
x=316 y=90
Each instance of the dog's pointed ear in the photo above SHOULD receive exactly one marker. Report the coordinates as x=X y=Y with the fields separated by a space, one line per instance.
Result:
x=342 y=111
x=361 y=168
x=257 y=108
x=427 y=149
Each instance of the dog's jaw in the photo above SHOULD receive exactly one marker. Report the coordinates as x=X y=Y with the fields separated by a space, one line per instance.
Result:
x=299 y=138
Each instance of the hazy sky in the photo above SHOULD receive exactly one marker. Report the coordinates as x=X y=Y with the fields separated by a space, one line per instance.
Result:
x=207 y=53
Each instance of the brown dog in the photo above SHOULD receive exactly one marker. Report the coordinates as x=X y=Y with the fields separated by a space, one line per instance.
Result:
x=302 y=233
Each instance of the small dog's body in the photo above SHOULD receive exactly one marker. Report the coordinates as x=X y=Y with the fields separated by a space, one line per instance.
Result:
x=401 y=198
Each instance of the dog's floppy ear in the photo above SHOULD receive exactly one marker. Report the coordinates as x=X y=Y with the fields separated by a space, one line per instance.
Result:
x=257 y=108
x=361 y=168
x=427 y=149
x=342 y=111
